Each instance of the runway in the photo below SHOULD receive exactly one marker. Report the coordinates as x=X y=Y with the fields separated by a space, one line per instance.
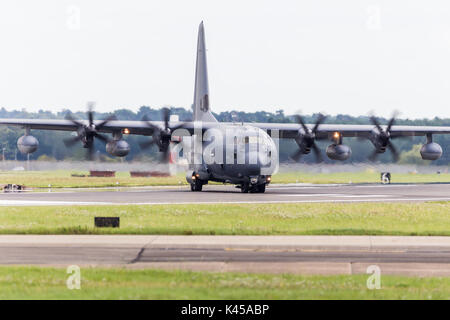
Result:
x=296 y=193
x=419 y=256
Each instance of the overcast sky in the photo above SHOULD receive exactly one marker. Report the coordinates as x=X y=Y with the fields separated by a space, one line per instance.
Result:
x=319 y=55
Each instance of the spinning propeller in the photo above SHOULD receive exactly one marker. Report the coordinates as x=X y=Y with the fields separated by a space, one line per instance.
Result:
x=382 y=139
x=88 y=133
x=161 y=136
x=306 y=139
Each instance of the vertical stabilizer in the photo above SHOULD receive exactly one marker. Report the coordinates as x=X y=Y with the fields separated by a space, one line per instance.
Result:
x=202 y=111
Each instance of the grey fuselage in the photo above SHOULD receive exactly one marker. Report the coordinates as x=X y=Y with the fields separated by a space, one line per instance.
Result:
x=234 y=154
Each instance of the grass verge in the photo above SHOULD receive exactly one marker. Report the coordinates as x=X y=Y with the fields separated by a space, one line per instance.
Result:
x=64 y=179
x=119 y=283
x=427 y=219
x=357 y=177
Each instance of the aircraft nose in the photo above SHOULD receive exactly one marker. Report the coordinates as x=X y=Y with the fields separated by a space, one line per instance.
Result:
x=263 y=158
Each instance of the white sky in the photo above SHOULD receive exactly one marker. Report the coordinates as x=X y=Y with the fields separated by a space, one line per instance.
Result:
x=311 y=55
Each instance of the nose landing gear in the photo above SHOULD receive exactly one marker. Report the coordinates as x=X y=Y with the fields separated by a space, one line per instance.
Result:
x=255 y=184
x=197 y=185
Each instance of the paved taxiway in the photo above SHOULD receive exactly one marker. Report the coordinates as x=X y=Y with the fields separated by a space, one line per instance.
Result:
x=228 y=194
x=423 y=256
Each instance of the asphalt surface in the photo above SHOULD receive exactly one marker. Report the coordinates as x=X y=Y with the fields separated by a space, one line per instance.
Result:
x=422 y=256
x=228 y=194
x=417 y=256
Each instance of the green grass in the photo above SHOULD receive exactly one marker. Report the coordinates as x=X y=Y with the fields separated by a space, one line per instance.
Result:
x=431 y=218
x=119 y=283
x=357 y=177
x=63 y=178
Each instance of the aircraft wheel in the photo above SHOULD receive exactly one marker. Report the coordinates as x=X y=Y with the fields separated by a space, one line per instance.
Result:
x=245 y=188
x=196 y=186
x=261 y=188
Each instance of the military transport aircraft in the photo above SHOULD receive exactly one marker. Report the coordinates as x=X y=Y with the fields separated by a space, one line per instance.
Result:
x=250 y=149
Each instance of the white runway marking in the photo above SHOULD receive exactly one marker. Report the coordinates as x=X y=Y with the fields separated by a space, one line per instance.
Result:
x=66 y=203
x=47 y=203
x=280 y=187
x=382 y=185
x=311 y=195
x=336 y=195
x=298 y=201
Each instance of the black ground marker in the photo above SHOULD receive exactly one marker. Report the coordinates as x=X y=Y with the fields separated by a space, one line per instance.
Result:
x=107 y=222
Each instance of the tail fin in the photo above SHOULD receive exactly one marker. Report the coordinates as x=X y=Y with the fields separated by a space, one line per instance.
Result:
x=202 y=110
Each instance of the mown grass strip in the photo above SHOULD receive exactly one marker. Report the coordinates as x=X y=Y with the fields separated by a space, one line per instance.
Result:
x=425 y=219
x=120 y=283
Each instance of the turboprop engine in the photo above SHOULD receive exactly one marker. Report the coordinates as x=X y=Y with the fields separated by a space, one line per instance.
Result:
x=431 y=151
x=118 y=148
x=339 y=152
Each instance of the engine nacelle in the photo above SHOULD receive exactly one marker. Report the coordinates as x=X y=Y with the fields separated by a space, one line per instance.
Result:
x=431 y=151
x=27 y=144
x=339 y=152
x=118 y=148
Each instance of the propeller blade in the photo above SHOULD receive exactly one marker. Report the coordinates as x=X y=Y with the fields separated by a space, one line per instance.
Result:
x=394 y=151
x=90 y=114
x=373 y=156
x=69 y=142
x=297 y=155
x=166 y=117
x=90 y=152
x=302 y=123
x=69 y=117
x=390 y=124
x=147 y=120
x=317 y=153
x=319 y=121
x=104 y=122
x=165 y=156
x=376 y=124
x=147 y=144
x=101 y=137
x=392 y=120
x=299 y=141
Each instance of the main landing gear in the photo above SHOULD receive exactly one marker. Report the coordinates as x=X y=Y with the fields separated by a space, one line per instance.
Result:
x=259 y=188
x=255 y=184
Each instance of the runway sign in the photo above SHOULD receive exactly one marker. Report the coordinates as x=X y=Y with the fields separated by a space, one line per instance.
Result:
x=107 y=222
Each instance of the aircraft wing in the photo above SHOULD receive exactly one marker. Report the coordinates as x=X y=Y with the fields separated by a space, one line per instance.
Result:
x=290 y=130
x=134 y=127
x=286 y=130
